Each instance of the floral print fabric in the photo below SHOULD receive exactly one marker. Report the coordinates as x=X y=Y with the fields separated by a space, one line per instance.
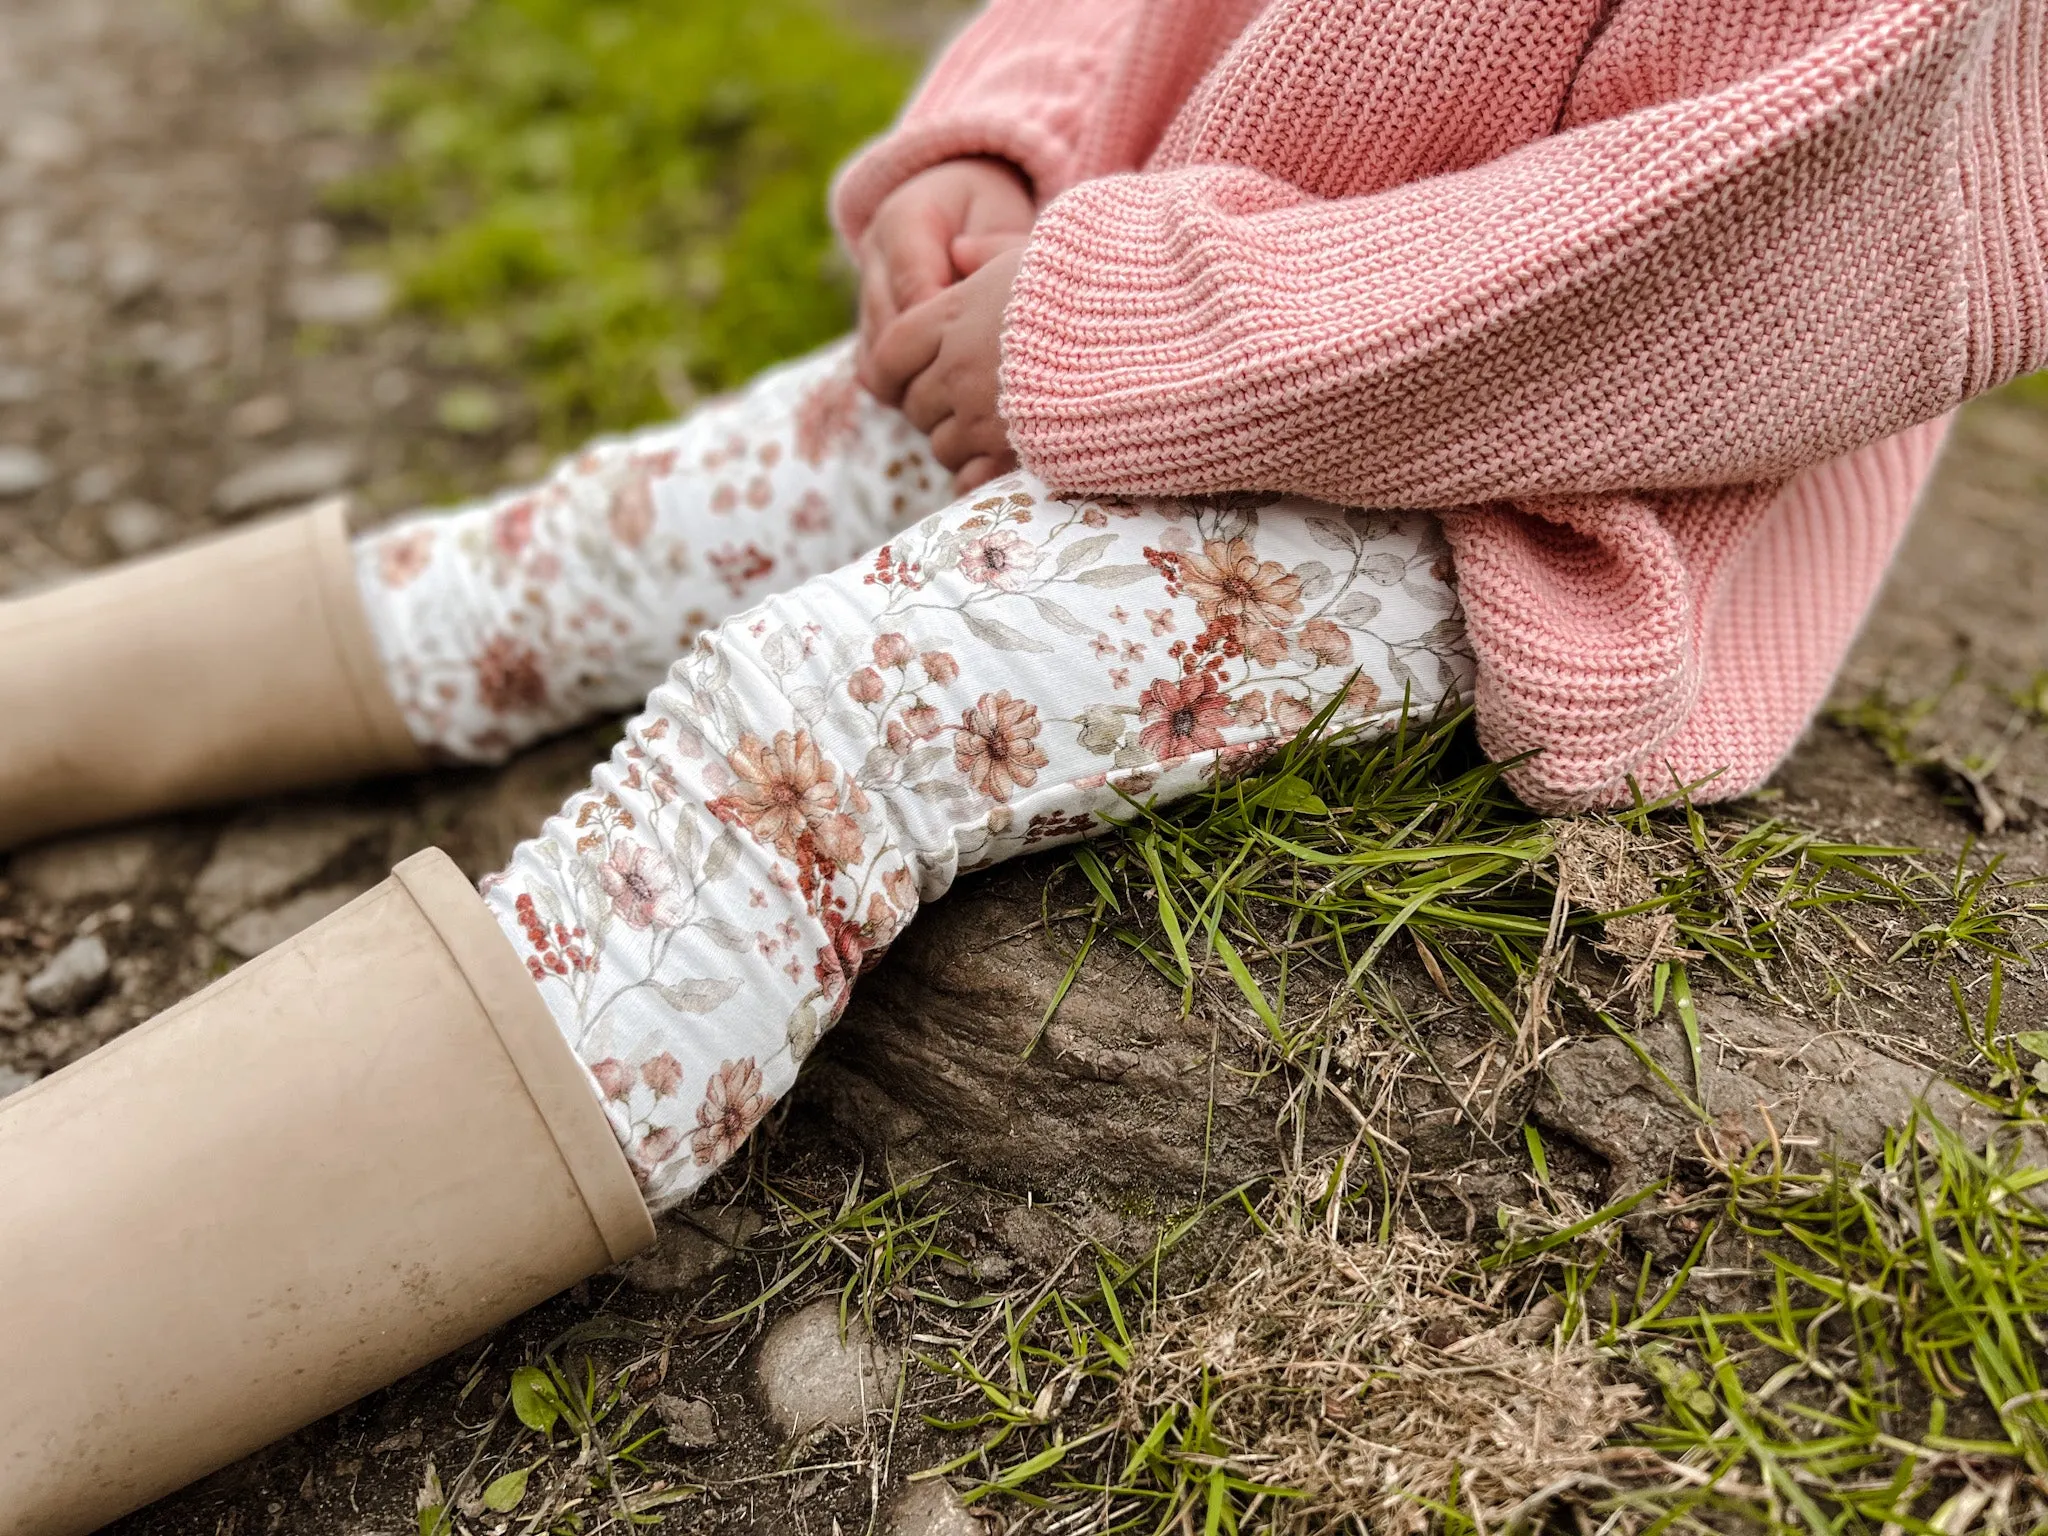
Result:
x=1009 y=674
x=513 y=620
x=877 y=690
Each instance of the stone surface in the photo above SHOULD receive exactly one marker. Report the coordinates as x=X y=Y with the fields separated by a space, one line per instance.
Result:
x=19 y=385
x=1765 y=1074
x=23 y=471
x=930 y=1062
x=12 y=1081
x=73 y=980
x=691 y=1422
x=810 y=1377
x=90 y=867
x=14 y=1008
x=932 y=1508
x=340 y=298
x=272 y=854
x=690 y=1246
x=304 y=473
x=253 y=932
x=137 y=527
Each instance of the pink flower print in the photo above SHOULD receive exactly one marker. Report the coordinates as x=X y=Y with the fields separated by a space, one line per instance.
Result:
x=1119 y=677
x=811 y=514
x=827 y=417
x=1104 y=647
x=866 y=686
x=1001 y=560
x=725 y=497
x=512 y=528
x=940 y=667
x=641 y=885
x=997 y=745
x=1095 y=517
x=403 y=556
x=614 y=1079
x=1162 y=620
x=1133 y=651
x=664 y=1074
x=785 y=791
x=1120 y=614
x=1184 y=717
x=1267 y=647
x=733 y=1105
x=740 y=567
x=892 y=651
x=508 y=676
x=760 y=492
x=652 y=1150
x=1251 y=708
x=1361 y=695
x=1290 y=712
x=631 y=516
x=1229 y=581
x=922 y=721
x=1326 y=642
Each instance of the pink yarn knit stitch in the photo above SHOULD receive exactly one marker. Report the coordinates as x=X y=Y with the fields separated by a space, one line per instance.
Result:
x=1663 y=304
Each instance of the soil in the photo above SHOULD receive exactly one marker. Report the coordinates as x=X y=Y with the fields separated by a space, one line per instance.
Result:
x=174 y=309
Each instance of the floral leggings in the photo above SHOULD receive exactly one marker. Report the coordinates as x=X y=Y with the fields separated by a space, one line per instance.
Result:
x=877 y=689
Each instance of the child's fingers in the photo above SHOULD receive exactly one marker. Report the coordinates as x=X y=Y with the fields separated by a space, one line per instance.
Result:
x=908 y=345
x=976 y=473
x=973 y=252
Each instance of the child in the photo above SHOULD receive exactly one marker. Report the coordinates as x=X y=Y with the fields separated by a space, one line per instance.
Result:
x=1657 y=308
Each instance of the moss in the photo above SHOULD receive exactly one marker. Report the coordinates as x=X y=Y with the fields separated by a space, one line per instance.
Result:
x=621 y=201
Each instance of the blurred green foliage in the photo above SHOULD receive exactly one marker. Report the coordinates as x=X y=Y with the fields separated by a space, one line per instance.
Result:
x=610 y=196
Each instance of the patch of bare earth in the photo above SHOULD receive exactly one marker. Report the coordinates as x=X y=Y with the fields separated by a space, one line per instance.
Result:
x=184 y=340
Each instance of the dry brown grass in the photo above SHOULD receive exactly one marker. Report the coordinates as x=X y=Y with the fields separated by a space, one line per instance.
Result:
x=1378 y=1380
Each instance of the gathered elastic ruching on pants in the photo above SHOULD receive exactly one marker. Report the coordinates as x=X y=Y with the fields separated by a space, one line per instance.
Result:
x=1012 y=672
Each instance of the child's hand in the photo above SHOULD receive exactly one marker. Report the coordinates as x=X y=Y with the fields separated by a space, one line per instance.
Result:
x=906 y=253
x=939 y=362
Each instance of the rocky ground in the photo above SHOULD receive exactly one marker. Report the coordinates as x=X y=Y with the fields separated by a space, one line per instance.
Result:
x=185 y=342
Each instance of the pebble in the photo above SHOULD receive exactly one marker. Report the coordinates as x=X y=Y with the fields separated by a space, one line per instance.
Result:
x=96 y=485
x=268 y=856
x=18 y=385
x=932 y=1509
x=260 y=417
x=304 y=473
x=14 y=1009
x=811 y=1378
x=690 y=1247
x=340 y=298
x=253 y=932
x=137 y=527
x=691 y=1422
x=23 y=472
x=73 y=980
x=130 y=272
x=92 y=867
x=12 y=1081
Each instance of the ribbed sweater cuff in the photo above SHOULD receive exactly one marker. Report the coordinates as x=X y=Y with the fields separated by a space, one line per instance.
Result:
x=1133 y=361
x=871 y=175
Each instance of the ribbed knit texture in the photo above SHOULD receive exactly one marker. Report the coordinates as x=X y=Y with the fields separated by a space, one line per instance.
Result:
x=1600 y=280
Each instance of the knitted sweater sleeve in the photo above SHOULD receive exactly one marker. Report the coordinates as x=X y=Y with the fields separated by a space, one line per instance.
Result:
x=1717 y=290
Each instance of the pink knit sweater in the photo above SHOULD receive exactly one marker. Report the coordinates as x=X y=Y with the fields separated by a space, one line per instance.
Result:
x=1662 y=302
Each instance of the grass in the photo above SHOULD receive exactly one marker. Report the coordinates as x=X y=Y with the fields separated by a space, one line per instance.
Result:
x=620 y=202
x=1289 y=895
